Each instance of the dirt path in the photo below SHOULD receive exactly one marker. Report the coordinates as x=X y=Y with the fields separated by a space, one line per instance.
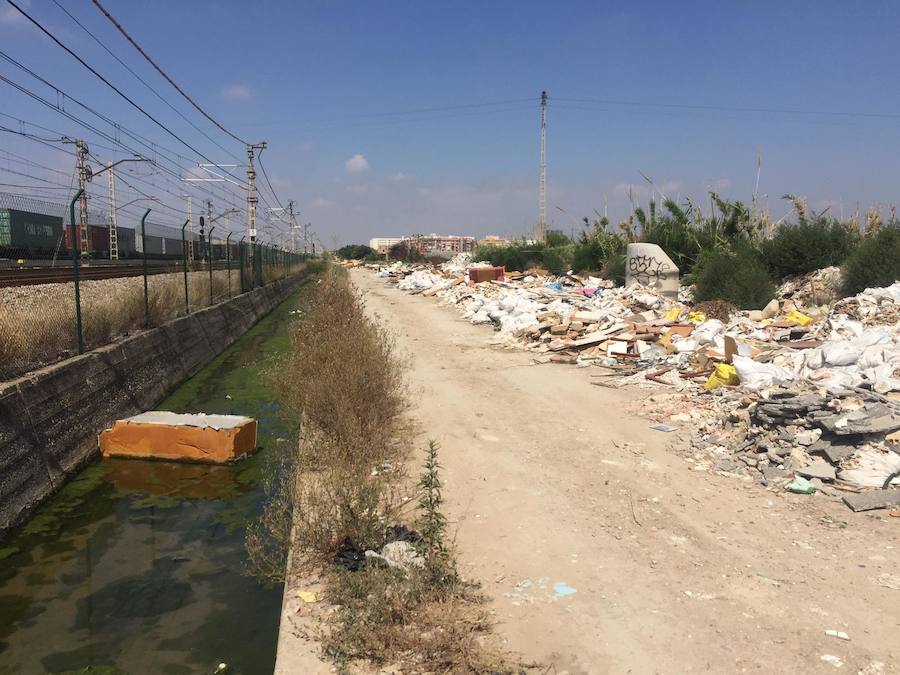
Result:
x=605 y=553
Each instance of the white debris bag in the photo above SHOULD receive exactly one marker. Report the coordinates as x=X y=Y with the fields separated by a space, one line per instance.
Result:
x=870 y=467
x=755 y=375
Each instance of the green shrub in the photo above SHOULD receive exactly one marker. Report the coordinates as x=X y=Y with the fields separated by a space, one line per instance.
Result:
x=737 y=276
x=355 y=252
x=875 y=262
x=809 y=245
x=683 y=233
x=521 y=256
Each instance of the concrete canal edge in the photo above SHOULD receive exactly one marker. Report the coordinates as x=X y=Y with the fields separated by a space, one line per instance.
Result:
x=50 y=418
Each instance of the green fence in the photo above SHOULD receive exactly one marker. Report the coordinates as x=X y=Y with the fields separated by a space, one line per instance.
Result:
x=47 y=314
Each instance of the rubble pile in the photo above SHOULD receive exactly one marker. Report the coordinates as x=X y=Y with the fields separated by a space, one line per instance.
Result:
x=804 y=393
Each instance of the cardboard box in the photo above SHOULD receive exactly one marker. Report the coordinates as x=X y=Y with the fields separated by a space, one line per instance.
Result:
x=479 y=274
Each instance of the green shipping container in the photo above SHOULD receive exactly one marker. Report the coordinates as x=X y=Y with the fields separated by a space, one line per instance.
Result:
x=26 y=230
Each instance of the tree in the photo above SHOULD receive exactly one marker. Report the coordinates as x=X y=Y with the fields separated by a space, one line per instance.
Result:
x=356 y=252
x=406 y=252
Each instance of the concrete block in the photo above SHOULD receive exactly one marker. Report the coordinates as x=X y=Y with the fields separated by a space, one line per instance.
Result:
x=648 y=265
x=216 y=439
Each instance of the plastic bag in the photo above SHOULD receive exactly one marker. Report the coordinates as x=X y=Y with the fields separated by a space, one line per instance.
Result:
x=724 y=374
x=840 y=353
x=755 y=375
x=672 y=314
x=799 y=318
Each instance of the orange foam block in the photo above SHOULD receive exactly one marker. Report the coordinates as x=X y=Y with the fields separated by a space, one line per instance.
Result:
x=216 y=439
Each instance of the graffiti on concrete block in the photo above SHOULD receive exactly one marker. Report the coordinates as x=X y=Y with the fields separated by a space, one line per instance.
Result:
x=647 y=270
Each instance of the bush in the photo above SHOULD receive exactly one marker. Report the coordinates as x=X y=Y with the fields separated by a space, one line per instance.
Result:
x=875 y=262
x=682 y=233
x=356 y=252
x=809 y=245
x=737 y=276
x=600 y=251
x=344 y=381
x=521 y=256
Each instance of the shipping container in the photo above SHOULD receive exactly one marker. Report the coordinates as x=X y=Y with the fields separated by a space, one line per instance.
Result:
x=172 y=247
x=34 y=233
x=154 y=245
x=126 y=242
x=98 y=241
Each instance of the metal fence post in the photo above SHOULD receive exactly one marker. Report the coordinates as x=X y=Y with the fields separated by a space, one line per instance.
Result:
x=184 y=264
x=144 y=248
x=228 y=260
x=241 y=263
x=209 y=246
x=78 y=330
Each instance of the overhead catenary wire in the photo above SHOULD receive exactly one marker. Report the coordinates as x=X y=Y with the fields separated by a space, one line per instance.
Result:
x=118 y=91
x=168 y=79
x=149 y=145
x=142 y=80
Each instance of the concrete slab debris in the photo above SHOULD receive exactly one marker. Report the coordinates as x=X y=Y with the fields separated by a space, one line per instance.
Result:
x=810 y=387
x=216 y=439
x=868 y=501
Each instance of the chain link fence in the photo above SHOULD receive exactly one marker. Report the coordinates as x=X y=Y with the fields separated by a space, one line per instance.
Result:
x=54 y=304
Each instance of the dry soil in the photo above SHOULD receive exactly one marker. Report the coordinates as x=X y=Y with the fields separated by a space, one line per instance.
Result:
x=603 y=552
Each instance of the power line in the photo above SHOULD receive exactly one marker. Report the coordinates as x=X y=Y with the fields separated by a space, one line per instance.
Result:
x=108 y=83
x=149 y=145
x=723 y=108
x=161 y=71
x=141 y=80
x=413 y=111
x=266 y=176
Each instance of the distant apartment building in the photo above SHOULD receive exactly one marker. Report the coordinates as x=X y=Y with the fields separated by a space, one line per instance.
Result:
x=493 y=240
x=383 y=244
x=428 y=243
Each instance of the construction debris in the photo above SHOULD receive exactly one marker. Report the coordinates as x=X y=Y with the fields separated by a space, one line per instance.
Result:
x=804 y=392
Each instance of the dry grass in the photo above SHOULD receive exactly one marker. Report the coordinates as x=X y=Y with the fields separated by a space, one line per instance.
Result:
x=345 y=488
x=37 y=324
x=344 y=379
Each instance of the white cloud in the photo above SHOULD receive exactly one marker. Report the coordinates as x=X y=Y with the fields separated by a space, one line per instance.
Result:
x=399 y=177
x=356 y=164
x=9 y=15
x=237 y=92
x=321 y=203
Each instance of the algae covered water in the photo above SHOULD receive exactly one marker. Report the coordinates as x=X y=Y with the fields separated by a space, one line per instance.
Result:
x=139 y=566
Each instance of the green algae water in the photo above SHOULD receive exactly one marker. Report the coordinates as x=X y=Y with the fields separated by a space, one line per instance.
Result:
x=139 y=566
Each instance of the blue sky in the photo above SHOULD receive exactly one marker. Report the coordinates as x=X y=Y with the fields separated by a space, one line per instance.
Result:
x=336 y=90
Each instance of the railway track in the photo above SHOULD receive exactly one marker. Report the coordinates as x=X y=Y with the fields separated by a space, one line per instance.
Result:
x=61 y=275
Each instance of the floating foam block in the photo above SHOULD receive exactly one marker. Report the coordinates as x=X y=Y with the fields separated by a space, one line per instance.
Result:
x=216 y=439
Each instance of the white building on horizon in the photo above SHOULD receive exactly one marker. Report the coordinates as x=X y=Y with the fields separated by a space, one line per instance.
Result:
x=383 y=244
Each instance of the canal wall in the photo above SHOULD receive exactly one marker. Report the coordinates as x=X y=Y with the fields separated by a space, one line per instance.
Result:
x=50 y=418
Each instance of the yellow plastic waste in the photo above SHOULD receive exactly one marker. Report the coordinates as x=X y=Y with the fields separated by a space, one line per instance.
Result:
x=697 y=317
x=799 y=318
x=725 y=373
x=672 y=314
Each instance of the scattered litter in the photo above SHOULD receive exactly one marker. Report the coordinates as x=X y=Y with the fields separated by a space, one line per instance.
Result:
x=307 y=596
x=888 y=581
x=838 y=634
x=800 y=486
x=561 y=589
x=805 y=388
x=664 y=427
x=833 y=660
x=399 y=554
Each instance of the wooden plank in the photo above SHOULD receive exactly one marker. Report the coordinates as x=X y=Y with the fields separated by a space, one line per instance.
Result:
x=873 y=499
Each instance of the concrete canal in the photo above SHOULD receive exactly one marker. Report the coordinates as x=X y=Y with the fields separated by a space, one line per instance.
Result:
x=140 y=567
